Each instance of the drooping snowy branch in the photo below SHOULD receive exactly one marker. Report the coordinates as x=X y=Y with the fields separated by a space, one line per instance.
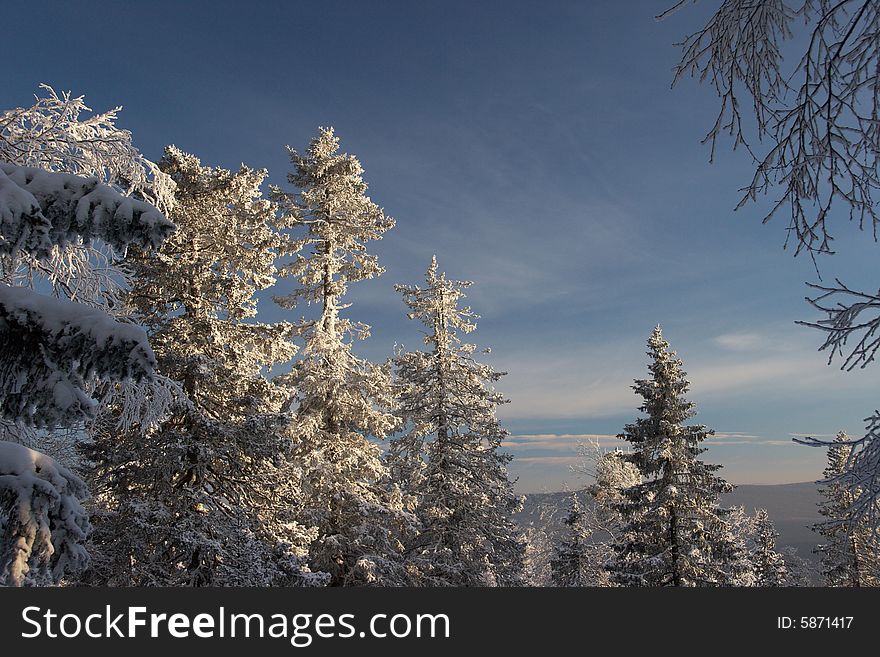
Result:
x=58 y=350
x=42 y=210
x=860 y=474
x=54 y=349
x=42 y=523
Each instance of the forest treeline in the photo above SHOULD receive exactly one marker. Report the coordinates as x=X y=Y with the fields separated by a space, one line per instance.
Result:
x=146 y=441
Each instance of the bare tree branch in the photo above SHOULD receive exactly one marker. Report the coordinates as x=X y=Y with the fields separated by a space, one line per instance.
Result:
x=855 y=315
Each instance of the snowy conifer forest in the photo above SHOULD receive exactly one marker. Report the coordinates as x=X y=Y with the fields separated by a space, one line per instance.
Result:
x=156 y=429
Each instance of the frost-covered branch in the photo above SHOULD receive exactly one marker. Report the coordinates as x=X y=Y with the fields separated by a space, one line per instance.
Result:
x=820 y=117
x=55 y=135
x=860 y=472
x=855 y=315
x=58 y=134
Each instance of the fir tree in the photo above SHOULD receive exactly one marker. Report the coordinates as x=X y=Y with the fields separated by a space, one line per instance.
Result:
x=570 y=565
x=614 y=474
x=769 y=565
x=448 y=457
x=675 y=533
x=339 y=400
x=89 y=183
x=848 y=556
x=198 y=499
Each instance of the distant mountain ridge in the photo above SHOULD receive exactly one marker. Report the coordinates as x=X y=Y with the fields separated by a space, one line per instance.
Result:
x=793 y=508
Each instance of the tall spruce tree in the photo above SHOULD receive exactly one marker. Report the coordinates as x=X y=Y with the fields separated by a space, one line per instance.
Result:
x=675 y=533
x=340 y=401
x=571 y=564
x=448 y=457
x=849 y=555
x=198 y=499
x=769 y=565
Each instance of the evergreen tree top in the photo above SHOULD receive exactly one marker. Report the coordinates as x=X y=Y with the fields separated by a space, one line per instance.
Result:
x=332 y=190
x=663 y=392
x=333 y=219
x=436 y=305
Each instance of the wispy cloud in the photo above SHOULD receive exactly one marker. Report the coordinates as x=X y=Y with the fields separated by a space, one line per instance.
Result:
x=794 y=372
x=813 y=435
x=733 y=435
x=727 y=438
x=740 y=341
x=548 y=460
x=557 y=442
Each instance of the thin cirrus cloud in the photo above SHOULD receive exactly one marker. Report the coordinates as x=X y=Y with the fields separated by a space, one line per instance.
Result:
x=727 y=438
x=775 y=339
x=549 y=460
x=523 y=443
x=740 y=341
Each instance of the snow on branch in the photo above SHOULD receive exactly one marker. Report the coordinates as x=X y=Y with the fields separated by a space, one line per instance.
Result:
x=40 y=210
x=57 y=134
x=42 y=523
x=53 y=348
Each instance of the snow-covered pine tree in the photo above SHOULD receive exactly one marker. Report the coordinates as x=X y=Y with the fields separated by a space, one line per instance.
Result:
x=199 y=498
x=448 y=458
x=850 y=555
x=54 y=352
x=675 y=532
x=57 y=134
x=570 y=565
x=768 y=564
x=339 y=400
x=614 y=474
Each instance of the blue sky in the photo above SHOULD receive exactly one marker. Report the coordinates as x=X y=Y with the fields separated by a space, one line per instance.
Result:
x=540 y=153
